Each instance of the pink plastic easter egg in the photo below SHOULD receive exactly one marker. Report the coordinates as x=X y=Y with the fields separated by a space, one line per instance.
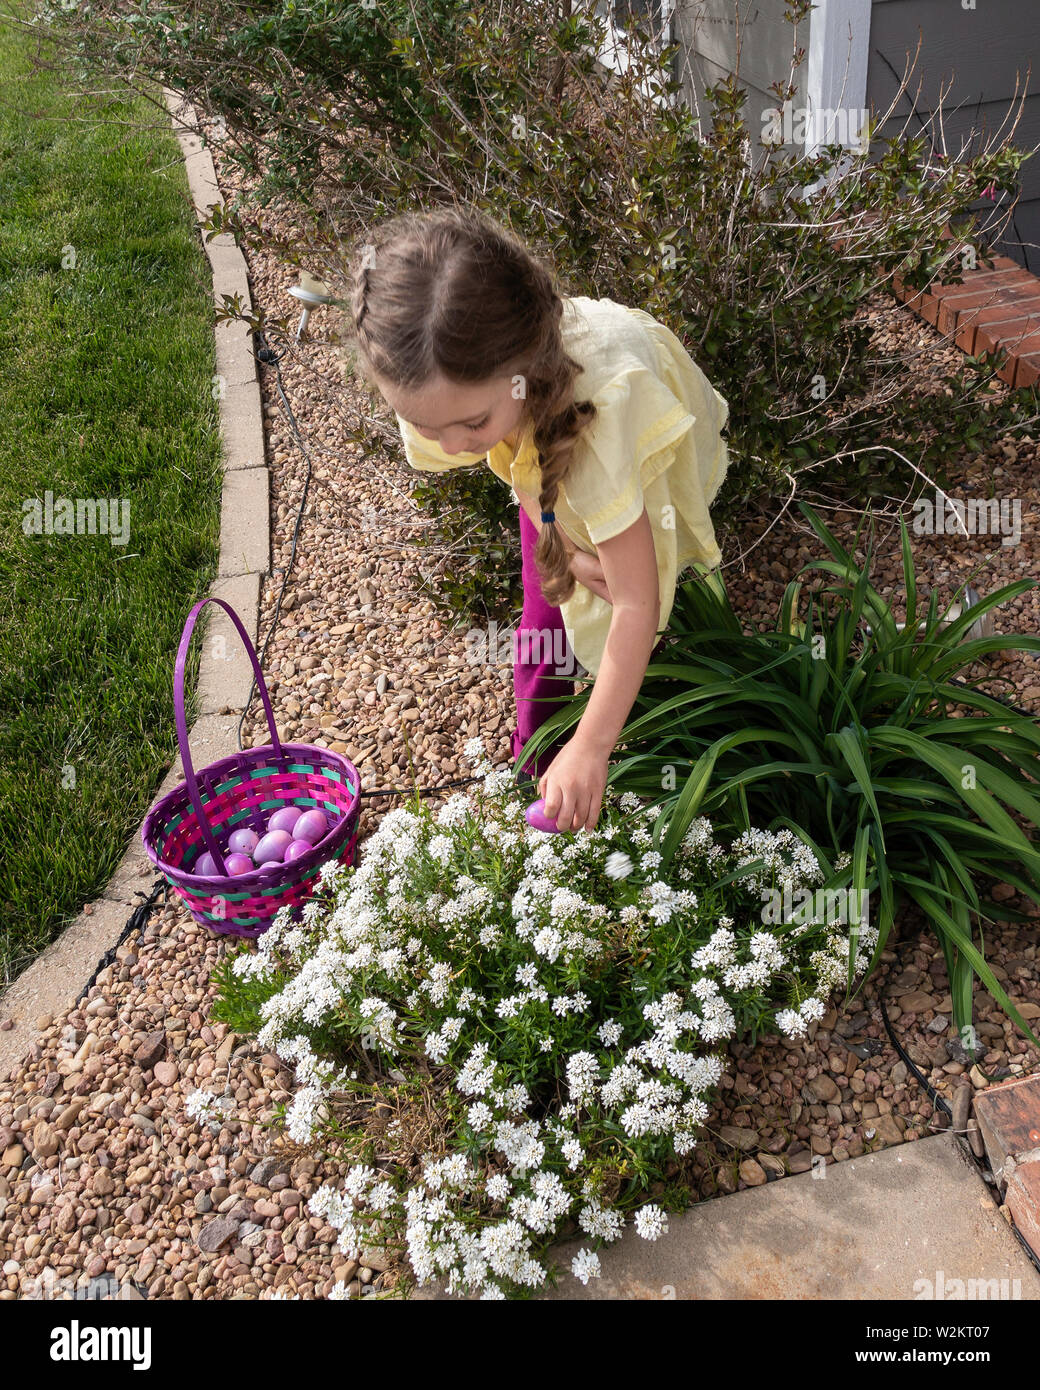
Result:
x=238 y=864
x=206 y=866
x=269 y=866
x=272 y=846
x=243 y=840
x=537 y=818
x=285 y=819
x=297 y=848
x=311 y=826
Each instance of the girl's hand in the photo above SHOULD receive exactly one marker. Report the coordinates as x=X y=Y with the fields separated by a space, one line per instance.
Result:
x=587 y=570
x=573 y=786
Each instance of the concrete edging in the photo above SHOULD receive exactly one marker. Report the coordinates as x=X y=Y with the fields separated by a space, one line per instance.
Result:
x=53 y=982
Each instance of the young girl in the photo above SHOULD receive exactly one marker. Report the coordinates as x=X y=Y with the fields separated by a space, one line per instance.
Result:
x=606 y=431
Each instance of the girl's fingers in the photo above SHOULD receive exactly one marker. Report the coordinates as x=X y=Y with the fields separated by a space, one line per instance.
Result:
x=581 y=813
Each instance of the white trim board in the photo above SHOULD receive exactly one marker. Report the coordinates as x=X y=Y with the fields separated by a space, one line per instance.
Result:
x=839 y=48
x=614 y=53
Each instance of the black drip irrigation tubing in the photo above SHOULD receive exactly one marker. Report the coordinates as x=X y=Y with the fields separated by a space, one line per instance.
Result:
x=139 y=917
x=137 y=921
x=939 y=1102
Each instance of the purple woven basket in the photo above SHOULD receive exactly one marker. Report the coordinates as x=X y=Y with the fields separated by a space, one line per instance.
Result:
x=244 y=790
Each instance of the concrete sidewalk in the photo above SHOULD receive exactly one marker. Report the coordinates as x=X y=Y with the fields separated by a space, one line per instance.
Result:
x=904 y=1223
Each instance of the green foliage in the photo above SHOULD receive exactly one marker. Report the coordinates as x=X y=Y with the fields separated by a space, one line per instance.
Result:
x=856 y=735
x=477 y=519
x=384 y=108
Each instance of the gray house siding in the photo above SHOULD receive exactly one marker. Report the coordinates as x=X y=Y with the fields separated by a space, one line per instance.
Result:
x=707 y=33
x=974 y=56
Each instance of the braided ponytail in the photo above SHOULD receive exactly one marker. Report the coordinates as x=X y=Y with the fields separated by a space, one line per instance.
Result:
x=361 y=291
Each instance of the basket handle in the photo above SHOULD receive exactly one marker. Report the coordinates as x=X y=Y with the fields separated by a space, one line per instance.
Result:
x=182 y=724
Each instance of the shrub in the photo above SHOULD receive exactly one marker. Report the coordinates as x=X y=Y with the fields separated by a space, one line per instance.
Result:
x=858 y=737
x=543 y=1014
x=355 y=113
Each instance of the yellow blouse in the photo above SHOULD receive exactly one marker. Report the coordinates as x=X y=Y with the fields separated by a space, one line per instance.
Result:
x=655 y=443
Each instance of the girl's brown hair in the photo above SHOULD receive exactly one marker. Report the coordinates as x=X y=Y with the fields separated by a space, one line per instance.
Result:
x=454 y=293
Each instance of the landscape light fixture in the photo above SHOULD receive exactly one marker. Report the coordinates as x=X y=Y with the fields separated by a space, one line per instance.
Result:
x=311 y=293
x=982 y=627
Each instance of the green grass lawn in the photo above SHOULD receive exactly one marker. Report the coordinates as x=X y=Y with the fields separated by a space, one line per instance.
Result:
x=106 y=361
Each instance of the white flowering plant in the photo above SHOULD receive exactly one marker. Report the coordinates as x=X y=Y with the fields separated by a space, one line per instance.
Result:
x=544 y=1016
x=869 y=738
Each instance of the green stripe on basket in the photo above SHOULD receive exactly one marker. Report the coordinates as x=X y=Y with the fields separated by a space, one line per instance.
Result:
x=255 y=773
x=228 y=897
x=335 y=776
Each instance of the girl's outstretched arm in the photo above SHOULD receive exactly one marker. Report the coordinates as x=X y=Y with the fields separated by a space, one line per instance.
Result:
x=574 y=784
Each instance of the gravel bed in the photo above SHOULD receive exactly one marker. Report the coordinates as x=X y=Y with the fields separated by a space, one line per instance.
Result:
x=786 y=1107
x=105 y=1183
x=102 y=1175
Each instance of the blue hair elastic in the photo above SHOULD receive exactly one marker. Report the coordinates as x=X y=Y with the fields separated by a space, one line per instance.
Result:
x=548 y=516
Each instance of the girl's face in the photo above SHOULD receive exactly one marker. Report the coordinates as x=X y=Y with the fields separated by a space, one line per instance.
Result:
x=462 y=419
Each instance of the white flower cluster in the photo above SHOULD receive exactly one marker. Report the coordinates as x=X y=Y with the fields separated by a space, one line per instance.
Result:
x=477 y=1073
x=509 y=964
x=618 y=865
x=210 y=1109
x=582 y=1070
x=585 y=1265
x=788 y=860
x=794 y=1023
x=651 y=1222
x=545 y=1207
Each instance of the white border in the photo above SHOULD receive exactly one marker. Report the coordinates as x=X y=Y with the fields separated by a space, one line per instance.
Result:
x=839 y=50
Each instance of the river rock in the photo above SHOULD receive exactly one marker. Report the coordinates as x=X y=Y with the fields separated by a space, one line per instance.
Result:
x=737 y=1138
x=916 y=1002
x=752 y=1173
x=887 y=1129
x=824 y=1089
x=151 y=1048
x=216 y=1233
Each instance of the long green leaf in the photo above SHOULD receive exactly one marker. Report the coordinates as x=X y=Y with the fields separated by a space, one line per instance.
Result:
x=849 y=746
x=859 y=887
x=689 y=800
x=939 y=758
x=933 y=908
